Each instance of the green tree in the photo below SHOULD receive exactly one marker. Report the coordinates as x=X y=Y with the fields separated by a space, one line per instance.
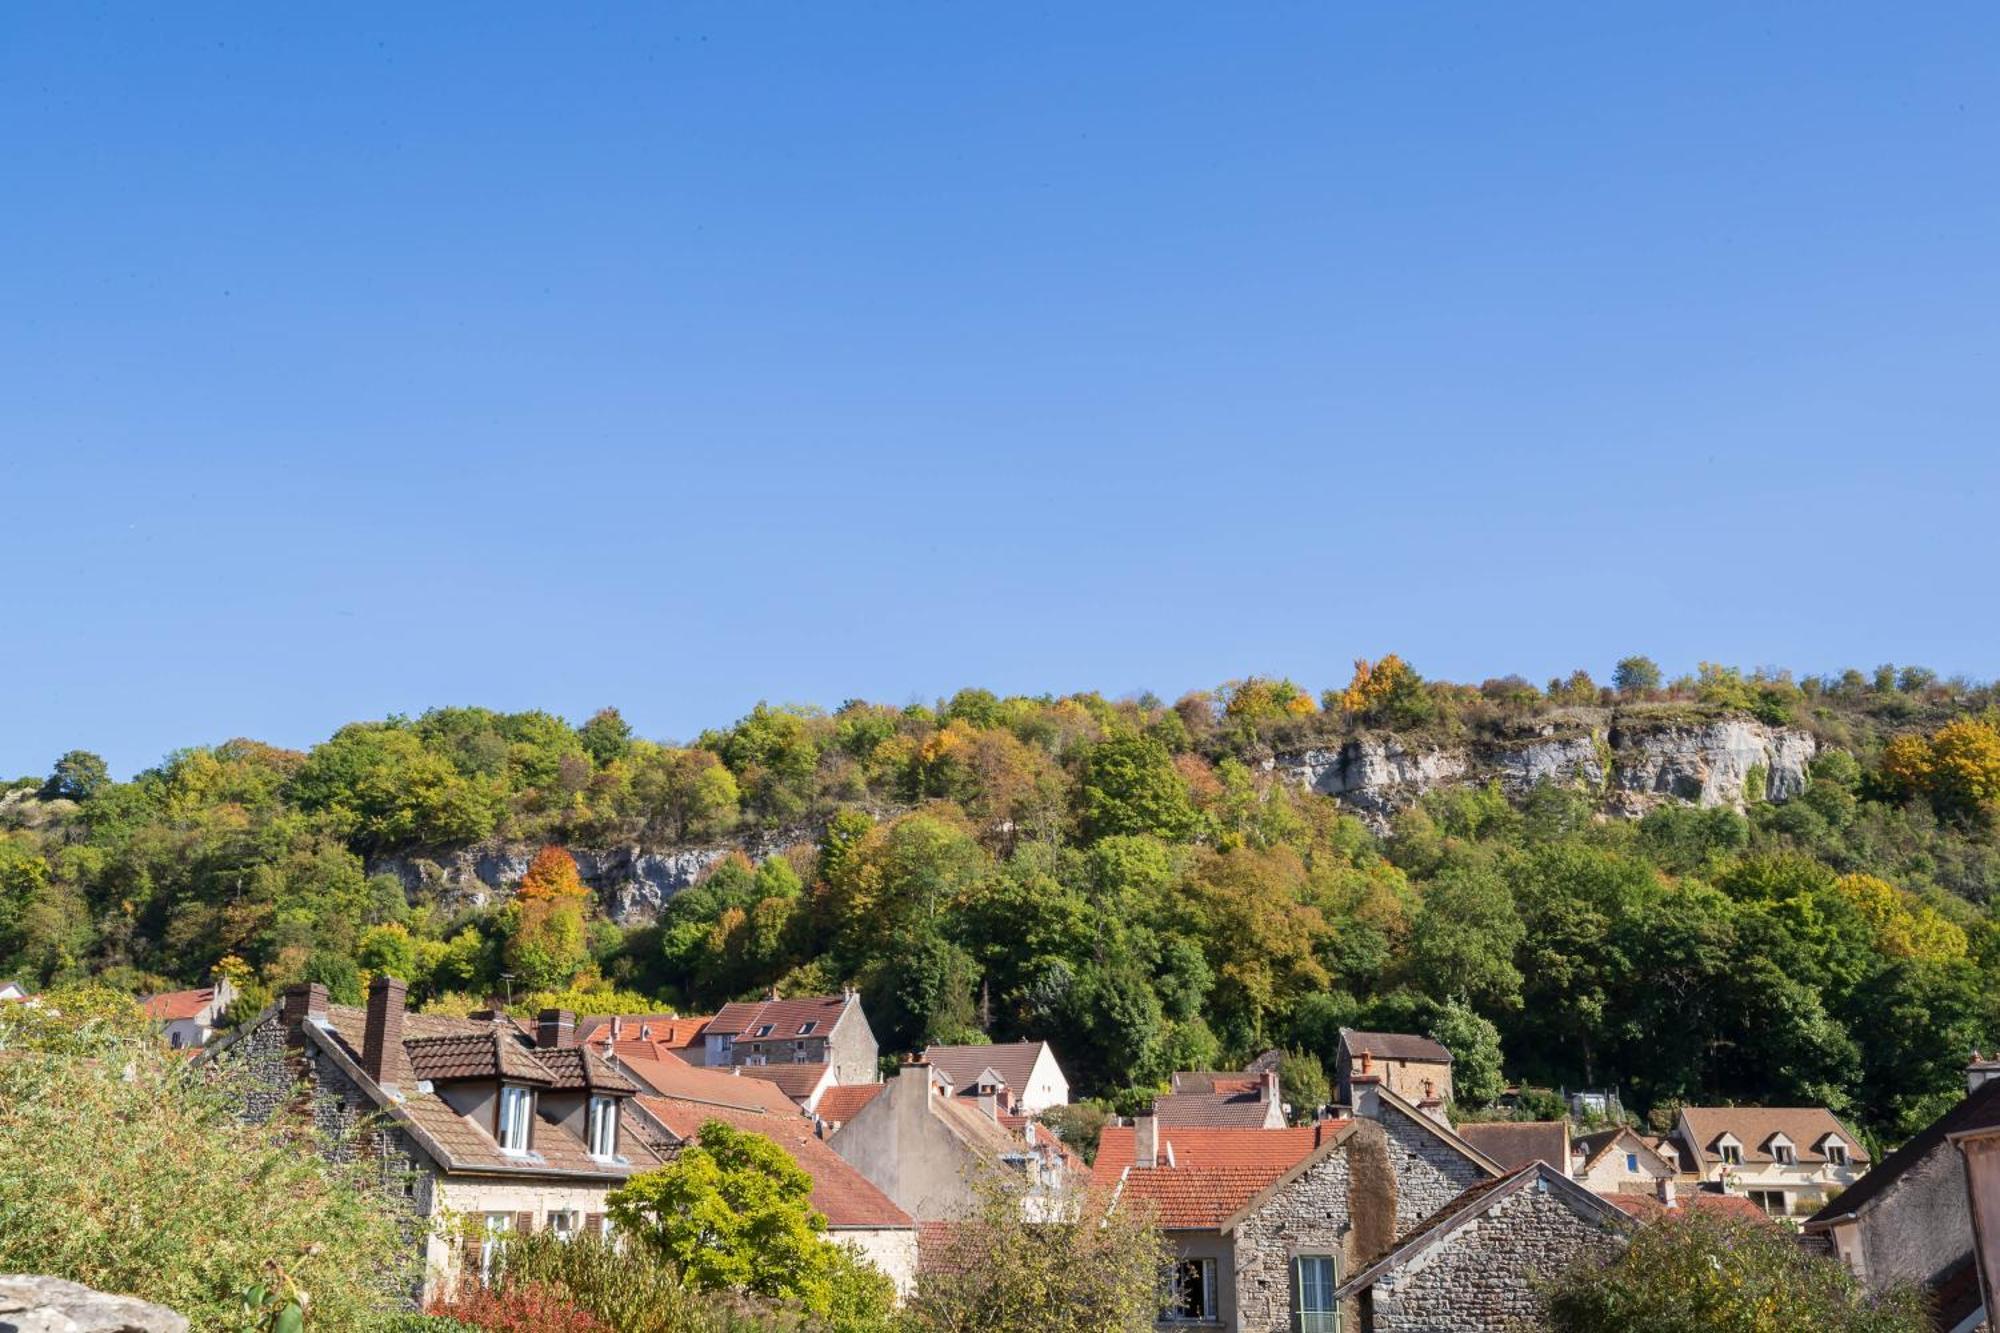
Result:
x=1128 y=785
x=1696 y=1273
x=1303 y=1081
x=77 y=776
x=1464 y=939
x=607 y=736
x=1474 y=1043
x=546 y=948
x=1635 y=676
x=683 y=795
x=733 y=1211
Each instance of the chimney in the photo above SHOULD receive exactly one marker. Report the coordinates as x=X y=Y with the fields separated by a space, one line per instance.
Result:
x=1432 y=1105
x=382 y=1053
x=1267 y=1086
x=1145 y=1141
x=1365 y=1091
x=555 y=1029
x=1982 y=1070
x=1663 y=1190
x=307 y=1000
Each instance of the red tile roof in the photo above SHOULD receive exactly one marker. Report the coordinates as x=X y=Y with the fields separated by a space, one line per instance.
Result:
x=786 y=1017
x=795 y=1081
x=675 y=1078
x=1214 y=1172
x=178 y=1004
x=840 y=1104
x=670 y=1030
x=846 y=1196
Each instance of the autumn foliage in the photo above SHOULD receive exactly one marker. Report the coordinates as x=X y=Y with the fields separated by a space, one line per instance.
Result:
x=522 y=1307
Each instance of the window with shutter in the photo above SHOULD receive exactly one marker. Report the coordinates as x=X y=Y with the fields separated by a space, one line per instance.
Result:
x=524 y=1223
x=594 y=1223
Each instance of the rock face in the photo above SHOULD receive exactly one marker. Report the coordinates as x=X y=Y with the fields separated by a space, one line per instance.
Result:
x=52 y=1305
x=632 y=883
x=1631 y=763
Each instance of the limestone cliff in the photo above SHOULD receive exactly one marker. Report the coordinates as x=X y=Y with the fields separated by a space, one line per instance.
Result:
x=1631 y=763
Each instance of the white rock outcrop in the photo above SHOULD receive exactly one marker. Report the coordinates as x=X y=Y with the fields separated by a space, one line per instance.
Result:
x=54 y=1305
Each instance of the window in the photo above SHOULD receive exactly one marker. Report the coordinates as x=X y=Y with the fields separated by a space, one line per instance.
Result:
x=1774 y=1202
x=1632 y=1162
x=763 y=1031
x=802 y=1054
x=177 y=1039
x=805 y=1029
x=1193 y=1296
x=603 y=1126
x=493 y=1240
x=516 y=1105
x=1836 y=1153
x=1732 y=1154
x=562 y=1225
x=1313 y=1279
x=1782 y=1153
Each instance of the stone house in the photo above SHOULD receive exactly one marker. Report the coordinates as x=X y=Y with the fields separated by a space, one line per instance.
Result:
x=190 y=1019
x=675 y=1102
x=1433 y=1164
x=1263 y=1223
x=472 y=1121
x=1026 y=1070
x=1416 y=1069
x=1911 y=1219
x=927 y=1148
x=1621 y=1161
x=1478 y=1263
x=821 y=1030
x=1787 y=1159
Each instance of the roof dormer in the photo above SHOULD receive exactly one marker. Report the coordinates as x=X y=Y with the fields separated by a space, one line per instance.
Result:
x=1782 y=1150
x=1727 y=1148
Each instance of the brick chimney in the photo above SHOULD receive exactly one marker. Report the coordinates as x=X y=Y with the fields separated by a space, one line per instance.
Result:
x=382 y=1053
x=1983 y=1070
x=555 y=1029
x=306 y=1000
x=1145 y=1141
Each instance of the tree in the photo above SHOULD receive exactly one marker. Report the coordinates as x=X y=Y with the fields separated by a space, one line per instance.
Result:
x=546 y=948
x=1635 y=676
x=1303 y=1081
x=1389 y=692
x=1464 y=939
x=733 y=1211
x=1474 y=1043
x=124 y=1168
x=683 y=794
x=1129 y=785
x=1694 y=1272
x=1957 y=767
x=1074 y=1265
x=607 y=736
x=77 y=776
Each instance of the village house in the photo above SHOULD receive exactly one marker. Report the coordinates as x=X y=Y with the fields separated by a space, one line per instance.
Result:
x=190 y=1019
x=826 y=1030
x=1788 y=1160
x=1247 y=1099
x=1433 y=1163
x=804 y=1084
x=1417 y=1069
x=1515 y=1143
x=1026 y=1069
x=1478 y=1264
x=926 y=1147
x=1912 y=1218
x=1979 y=1144
x=678 y=1099
x=669 y=1034
x=468 y=1118
x=1620 y=1160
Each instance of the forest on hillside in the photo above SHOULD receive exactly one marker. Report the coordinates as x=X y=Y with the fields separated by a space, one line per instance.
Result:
x=1122 y=877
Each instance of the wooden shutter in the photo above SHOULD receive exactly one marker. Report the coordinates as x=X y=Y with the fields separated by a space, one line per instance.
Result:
x=524 y=1222
x=594 y=1223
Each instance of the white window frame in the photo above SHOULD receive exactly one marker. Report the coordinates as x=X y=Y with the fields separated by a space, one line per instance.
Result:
x=565 y=1223
x=492 y=1242
x=1323 y=1317
x=1205 y=1269
x=602 y=1116
x=1763 y=1199
x=1836 y=1152
x=806 y=1028
x=517 y=1110
x=1784 y=1154
x=1731 y=1153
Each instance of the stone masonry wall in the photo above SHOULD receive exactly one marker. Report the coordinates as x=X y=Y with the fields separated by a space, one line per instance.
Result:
x=1485 y=1275
x=1429 y=1172
x=1342 y=1206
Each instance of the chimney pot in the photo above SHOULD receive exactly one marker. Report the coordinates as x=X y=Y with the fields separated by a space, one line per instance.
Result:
x=382 y=1053
x=1367 y=1063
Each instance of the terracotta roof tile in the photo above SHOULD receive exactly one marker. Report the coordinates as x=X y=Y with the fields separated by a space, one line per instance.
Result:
x=671 y=1077
x=846 y=1196
x=796 y=1081
x=841 y=1103
x=675 y=1031
x=1754 y=1126
x=1214 y=1109
x=575 y=1067
x=1214 y=1172
x=785 y=1017
x=171 y=1005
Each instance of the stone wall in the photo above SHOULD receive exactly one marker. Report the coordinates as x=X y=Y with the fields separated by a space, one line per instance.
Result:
x=1430 y=1173
x=1486 y=1274
x=1342 y=1206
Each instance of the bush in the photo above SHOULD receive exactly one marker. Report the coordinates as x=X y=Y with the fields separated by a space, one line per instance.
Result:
x=634 y=1291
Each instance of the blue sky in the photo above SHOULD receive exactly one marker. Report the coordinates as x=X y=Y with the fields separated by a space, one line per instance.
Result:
x=357 y=359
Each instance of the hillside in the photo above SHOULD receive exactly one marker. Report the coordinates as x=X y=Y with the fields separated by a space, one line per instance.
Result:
x=1726 y=886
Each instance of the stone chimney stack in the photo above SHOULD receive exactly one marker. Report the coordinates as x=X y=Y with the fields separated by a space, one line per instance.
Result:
x=1267 y=1086
x=382 y=1053
x=303 y=1002
x=555 y=1029
x=1145 y=1141
x=1983 y=1070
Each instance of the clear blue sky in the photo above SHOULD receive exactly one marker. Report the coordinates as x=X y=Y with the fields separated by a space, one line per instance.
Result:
x=356 y=359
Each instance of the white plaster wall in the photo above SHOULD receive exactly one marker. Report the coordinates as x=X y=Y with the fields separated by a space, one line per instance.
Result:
x=891 y=1249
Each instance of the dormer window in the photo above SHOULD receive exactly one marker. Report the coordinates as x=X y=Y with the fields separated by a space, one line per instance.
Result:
x=1729 y=1151
x=763 y=1031
x=516 y=1109
x=806 y=1028
x=1836 y=1152
x=1782 y=1154
x=604 y=1127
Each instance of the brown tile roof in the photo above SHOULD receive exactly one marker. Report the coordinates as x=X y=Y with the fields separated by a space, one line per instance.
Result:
x=1394 y=1046
x=840 y=1104
x=1754 y=1127
x=671 y=1077
x=1514 y=1144
x=171 y=1005
x=1214 y=1172
x=786 y=1017
x=493 y=1053
x=1014 y=1062
x=846 y=1196
x=1979 y=1110
x=796 y=1081
x=1219 y=1110
x=578 y=1067
x=1647 y=1208
x=675 y=1031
